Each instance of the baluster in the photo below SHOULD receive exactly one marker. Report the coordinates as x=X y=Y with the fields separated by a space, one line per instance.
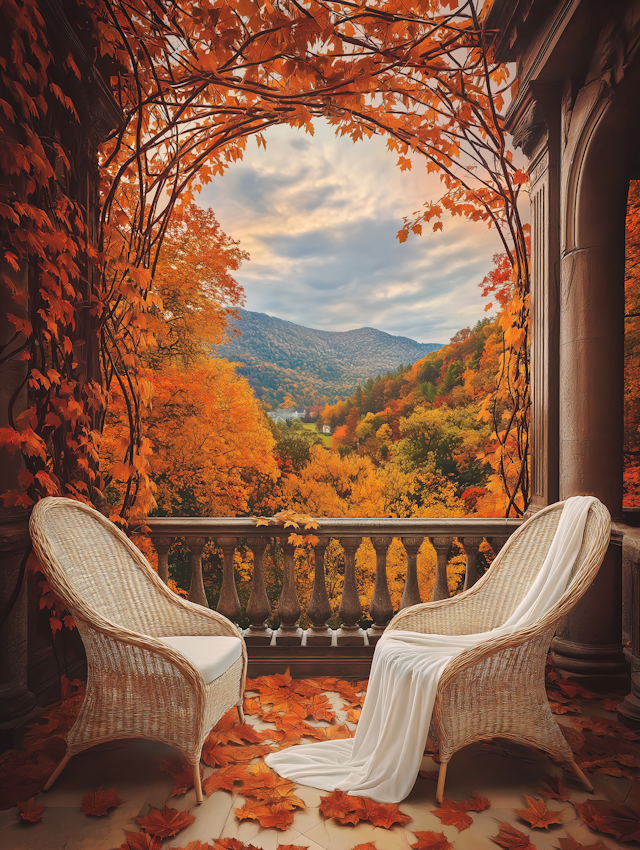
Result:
x=196 y=588
x=497 y=543
x=258 y=607
x=471 y=546
x=440 y=587
x=411 y=592
x=350 y=610
x=289 y=634
x=380 y=609
x=319 y=608
x=228 y=603
x=162 y=545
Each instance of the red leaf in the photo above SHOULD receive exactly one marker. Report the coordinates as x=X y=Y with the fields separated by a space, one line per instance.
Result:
x=141 y=841
x=165 y=822
x=612 y=818
x=537 y=814
x=382 y=814
x=31 y=811
x=453 y=813
x=512 y=839
x=477 y=803
x=98 y=803
x=231 y=844
x=553 y=789
x=570 y=843
x=431 y=841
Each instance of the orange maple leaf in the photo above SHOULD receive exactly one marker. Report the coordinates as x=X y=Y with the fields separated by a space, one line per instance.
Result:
x=537 y=814
x=264 y=784
x=229 y=729
x=225 y=778
x=268 y=815
x=329 y=733
x=216 y=755
x=31 y=811
x=164 y=822
x=98 y=803
x=340 y=807
x=431 y=841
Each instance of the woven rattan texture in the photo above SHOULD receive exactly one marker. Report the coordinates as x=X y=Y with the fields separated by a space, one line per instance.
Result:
x=497 y=688
x=138 y=687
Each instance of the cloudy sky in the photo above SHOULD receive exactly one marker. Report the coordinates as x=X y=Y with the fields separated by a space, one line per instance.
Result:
x=319 y=217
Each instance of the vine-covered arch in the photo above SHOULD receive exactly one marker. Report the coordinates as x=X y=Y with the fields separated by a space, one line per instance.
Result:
x=187 y=84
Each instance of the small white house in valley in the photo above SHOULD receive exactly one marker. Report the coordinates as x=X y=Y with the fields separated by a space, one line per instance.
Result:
x=286 y=414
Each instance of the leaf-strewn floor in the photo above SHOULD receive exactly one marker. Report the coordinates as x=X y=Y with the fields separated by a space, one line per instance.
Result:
x=137 y=795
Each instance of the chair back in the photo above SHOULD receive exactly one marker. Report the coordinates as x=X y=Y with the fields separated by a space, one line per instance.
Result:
x=520 y=560
x=91 y=565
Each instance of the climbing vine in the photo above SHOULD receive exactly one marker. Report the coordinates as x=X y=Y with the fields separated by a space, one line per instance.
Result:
x=186 y=85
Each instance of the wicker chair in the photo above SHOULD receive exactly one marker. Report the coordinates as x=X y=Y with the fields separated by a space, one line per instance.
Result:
x=159 y=667
x=496 y=689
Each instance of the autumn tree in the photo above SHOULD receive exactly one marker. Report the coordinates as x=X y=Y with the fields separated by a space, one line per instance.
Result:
x=193 y=279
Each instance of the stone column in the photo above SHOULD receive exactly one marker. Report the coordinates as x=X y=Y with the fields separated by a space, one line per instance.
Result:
x=595 y=183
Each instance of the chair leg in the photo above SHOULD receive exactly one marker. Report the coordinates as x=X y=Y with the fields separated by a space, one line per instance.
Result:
x=56 y=773
x=197 y=784
x=441 y=778
x=580 y=775
x=240 y=713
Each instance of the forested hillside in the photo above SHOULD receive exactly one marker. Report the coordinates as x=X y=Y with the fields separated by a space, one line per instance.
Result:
x=417 y=441
x=312 y=366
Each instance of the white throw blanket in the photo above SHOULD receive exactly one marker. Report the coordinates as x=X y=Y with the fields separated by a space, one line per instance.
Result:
x=383 y=759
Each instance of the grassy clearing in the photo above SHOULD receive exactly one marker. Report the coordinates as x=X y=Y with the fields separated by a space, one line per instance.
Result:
x=326 y=438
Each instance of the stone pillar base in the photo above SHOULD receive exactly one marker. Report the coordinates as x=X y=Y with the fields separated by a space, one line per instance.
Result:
x=600 y=668
x=629 y=709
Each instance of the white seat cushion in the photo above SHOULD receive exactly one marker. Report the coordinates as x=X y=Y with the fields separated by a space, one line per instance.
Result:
x=212 y=654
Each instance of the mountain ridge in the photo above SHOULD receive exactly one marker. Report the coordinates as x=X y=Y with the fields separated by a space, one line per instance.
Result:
x=314 y=366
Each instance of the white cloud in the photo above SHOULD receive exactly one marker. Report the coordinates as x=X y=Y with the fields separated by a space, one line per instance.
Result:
x=319 y=217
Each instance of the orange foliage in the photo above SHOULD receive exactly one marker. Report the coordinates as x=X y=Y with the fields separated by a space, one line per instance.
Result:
x=205 y=432
x=192 y=82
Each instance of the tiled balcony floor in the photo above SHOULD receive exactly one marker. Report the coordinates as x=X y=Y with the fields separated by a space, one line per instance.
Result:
x=502 y=772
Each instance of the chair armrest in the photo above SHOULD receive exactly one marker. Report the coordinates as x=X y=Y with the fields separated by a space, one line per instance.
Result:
x=488 y=651
x=140 y=655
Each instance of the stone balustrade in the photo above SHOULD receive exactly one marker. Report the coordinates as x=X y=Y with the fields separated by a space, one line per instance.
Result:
x=318 y=641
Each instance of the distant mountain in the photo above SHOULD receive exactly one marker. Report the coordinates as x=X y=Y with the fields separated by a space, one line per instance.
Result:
x=281 y=357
